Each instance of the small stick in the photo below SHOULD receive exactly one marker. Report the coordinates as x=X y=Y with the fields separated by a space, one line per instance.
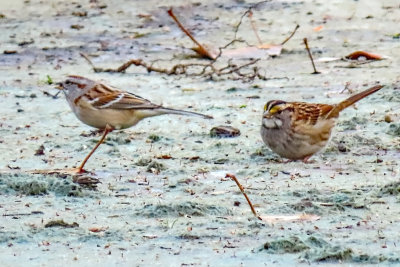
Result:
x=88 y=60
x=202 y=50
x=233 y=177
x=346 y=87
x=291 y=35
x=123 y=67
x=254 y=27
x=309 y=54
x=256 y=5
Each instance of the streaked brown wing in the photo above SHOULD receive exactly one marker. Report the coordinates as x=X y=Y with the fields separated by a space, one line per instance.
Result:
x=310 y=113
x=102 y=97
x=122 y=100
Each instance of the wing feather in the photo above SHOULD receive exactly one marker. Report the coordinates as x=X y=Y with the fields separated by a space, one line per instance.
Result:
x=105 y=97
x=312 y=113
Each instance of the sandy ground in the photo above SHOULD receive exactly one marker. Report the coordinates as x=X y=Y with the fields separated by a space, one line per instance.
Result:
x=182 y=210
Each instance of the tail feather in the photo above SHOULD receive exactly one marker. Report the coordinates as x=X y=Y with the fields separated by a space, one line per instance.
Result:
x=351 y=100
x=182 y=112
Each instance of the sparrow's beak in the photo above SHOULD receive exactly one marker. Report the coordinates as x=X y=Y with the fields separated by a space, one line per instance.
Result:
x=59 y=86
x=266 y=115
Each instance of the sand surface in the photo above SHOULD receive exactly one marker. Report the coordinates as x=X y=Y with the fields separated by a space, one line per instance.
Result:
x=163 y=197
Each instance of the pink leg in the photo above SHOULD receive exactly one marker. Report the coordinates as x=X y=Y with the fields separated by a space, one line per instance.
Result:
x=305 y=160
x=107 y=130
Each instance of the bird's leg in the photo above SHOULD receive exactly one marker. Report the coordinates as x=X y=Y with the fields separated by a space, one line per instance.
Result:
x=306 y=160
x=107 y=130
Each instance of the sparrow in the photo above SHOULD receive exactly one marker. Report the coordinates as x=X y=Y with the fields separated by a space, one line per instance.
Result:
x=297 y=130
x=108 y=109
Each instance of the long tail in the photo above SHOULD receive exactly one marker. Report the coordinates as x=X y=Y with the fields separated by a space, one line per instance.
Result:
x=351 y=100
x=182 y=112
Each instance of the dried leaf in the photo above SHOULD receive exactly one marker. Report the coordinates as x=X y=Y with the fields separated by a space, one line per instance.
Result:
x=97 y=229
x=318 y=28
x=362 y=54
x=164 y=157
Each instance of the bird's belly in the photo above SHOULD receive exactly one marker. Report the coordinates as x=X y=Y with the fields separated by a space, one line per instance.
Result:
x=118 y=119
x=294 y=145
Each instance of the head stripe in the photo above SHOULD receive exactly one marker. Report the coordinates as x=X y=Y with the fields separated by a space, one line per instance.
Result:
x=273 y=103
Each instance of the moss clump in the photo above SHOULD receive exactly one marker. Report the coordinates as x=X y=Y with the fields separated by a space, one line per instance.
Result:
x=390 y=189
x=312 y=248
x=30 y=187
x=394 y=129
x=333 y=254
x=154 y=138
x=288 y=245
x=181 y=209
x=155 y=167
x=38 y=184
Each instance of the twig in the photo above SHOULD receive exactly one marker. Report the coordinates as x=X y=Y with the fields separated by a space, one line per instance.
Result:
x=253 y=6
x=237 y=68
x=225 y=47
x=254 y=27
x=291 y=35
x=202 y=50
x=346 y=87
x=311 y=58
x=51 y=95
x=207 y=69
x=123 y=67
x=87 y=59
x=233 y=177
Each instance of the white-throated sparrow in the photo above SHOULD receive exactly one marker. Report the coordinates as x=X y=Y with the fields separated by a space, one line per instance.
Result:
x=297 y=130
x=108 y=108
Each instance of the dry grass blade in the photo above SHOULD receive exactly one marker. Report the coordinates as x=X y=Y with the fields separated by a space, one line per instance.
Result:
x=254 y=27
x=291 y=35
x=311 y=58
x=201 y=49
x=233 y=177
x=273 y=218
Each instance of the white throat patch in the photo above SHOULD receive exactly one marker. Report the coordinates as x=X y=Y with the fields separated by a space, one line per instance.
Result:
x=272 y=123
